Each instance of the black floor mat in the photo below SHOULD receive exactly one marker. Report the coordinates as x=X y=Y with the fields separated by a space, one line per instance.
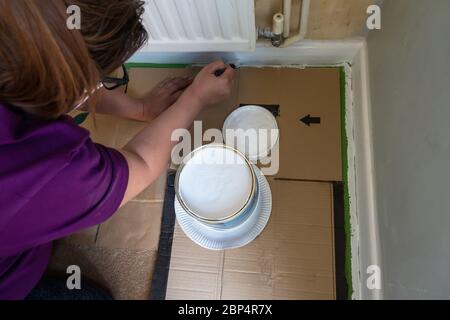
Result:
x=161 y=275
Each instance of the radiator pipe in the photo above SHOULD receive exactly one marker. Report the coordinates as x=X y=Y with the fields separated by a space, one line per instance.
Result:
x=303 y=25
x=287 y=11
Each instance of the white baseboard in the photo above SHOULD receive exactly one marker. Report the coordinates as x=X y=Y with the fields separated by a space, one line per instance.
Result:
x=303 y=53
x=368 y=253
x=352 y=54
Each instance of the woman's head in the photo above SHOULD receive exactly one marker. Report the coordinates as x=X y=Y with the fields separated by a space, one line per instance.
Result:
x=45 y=68
x=112 y=30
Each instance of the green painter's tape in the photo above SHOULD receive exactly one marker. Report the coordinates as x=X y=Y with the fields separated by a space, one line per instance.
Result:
x=79 y=119
x=347 y=223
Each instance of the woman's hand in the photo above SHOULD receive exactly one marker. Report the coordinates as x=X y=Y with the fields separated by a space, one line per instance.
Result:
x=211 y=89
x=165 y=94
x=205 y=90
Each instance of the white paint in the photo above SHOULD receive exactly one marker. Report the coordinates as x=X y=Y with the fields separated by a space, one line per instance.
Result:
x=351 y=178
x=366 y=208
x=305 y=53
x=353 y=55
x=215 y=183
x=200 y=25
x=252 y=130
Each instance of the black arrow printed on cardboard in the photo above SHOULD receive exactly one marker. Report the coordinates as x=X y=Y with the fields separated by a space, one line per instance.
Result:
x=308 y=120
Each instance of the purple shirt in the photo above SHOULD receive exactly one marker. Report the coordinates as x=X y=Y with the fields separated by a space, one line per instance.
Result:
x=54 y=181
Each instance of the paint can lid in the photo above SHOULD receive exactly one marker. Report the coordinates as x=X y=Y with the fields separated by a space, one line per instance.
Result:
x=253 y=130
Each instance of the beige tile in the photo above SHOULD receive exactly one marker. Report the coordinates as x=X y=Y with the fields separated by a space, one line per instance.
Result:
x=136 y=226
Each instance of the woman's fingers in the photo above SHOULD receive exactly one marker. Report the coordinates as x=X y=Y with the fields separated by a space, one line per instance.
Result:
x=216 y=65
x=229 y=73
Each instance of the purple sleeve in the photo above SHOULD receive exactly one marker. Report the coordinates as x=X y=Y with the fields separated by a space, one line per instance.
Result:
x=84 y=192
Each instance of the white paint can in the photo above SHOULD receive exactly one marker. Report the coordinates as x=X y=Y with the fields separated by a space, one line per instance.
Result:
x=217 y=186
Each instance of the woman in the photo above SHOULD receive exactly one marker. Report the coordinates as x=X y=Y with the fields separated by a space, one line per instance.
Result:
x=54 y=180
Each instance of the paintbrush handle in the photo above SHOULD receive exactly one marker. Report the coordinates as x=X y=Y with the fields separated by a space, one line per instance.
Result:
x=220 y=72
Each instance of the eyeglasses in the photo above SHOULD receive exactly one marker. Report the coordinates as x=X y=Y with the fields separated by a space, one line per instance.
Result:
x=109 y=83
x=112 y=83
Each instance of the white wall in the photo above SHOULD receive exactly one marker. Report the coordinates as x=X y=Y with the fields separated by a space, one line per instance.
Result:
x=410 y=90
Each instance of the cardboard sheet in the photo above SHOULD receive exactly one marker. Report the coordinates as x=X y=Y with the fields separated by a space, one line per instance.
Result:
x=306 y=152
x=292 y=259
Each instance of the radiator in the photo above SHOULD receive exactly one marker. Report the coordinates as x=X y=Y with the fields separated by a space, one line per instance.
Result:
x=200 y=25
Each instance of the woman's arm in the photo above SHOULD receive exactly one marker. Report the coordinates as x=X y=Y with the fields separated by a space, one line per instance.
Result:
x=149 y=152
x=115 y=102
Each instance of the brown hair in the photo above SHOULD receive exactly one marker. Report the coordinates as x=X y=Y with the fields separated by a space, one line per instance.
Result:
x=112 y=29
x=45 y=68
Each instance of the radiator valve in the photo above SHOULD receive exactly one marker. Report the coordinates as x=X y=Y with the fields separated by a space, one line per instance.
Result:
x=274 y=34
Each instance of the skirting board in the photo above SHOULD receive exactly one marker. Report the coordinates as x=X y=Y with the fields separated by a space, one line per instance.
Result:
x=352 y=54
x=366 y=219
x=304 y=53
